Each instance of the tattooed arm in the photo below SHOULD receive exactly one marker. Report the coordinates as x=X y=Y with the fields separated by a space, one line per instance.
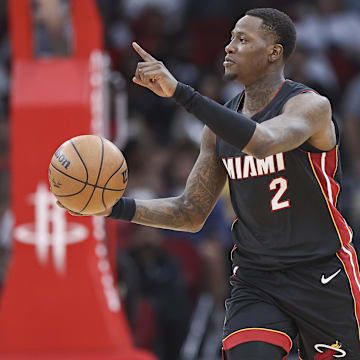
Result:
x=188 y=211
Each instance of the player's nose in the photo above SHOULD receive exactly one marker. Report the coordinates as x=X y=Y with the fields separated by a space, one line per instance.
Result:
x=229 y=48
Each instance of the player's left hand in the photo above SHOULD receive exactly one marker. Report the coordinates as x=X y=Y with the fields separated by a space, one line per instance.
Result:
x=73 y=213
x=153 y=74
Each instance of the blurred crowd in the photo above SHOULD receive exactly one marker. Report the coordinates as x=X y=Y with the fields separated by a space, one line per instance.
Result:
x=171 y=273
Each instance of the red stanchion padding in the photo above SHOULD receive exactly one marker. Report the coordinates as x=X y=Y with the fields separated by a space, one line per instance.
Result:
x=60 y=300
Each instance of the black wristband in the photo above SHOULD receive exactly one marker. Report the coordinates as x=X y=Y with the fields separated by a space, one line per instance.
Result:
x=124 y=209
x=234 y=128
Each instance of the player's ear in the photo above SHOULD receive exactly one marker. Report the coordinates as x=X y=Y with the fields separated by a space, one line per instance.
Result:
x=275 y=53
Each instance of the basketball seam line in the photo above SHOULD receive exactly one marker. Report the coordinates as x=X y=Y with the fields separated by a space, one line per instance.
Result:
x=100 y=168
x=87 y=175
x=83 y=182
x=83 y=162
x=103 y=192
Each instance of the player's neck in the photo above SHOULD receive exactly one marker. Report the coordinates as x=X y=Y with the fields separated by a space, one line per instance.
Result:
x=259 y=93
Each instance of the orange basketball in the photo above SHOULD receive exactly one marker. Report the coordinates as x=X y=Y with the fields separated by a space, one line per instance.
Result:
x=88 y=174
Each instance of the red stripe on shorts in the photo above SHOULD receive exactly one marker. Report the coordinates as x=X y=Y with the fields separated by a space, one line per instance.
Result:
x=269 y=336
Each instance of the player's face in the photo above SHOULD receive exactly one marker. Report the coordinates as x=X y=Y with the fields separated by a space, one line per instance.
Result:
x=248 y=51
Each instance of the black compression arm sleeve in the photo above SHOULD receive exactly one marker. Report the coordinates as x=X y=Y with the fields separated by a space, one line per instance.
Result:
x=231 y=126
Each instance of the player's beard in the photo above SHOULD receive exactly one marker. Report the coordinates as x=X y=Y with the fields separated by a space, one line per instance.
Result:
x=229 y=76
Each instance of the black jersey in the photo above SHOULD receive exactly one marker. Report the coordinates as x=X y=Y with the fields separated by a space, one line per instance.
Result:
x=286 y=205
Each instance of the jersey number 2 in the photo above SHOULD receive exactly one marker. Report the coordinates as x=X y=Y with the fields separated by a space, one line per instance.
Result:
x=280 y=185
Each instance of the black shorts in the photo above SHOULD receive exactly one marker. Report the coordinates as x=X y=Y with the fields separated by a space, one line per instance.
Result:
x=319 y=304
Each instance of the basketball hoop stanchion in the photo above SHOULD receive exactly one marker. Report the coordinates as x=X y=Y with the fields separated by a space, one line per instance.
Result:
x=59 y=301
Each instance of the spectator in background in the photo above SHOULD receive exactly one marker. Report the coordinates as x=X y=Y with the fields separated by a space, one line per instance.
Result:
x=331 y=29
x=52 y=27
x=172 y=11
x=315 y=70
x=186 y=126
x=146 y=174
x=328 y=23
x=163 y=287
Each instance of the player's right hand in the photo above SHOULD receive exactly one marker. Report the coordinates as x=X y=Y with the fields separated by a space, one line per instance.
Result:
x=153 y=74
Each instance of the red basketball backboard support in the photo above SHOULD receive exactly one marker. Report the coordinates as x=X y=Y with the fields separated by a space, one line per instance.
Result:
x=59 y=299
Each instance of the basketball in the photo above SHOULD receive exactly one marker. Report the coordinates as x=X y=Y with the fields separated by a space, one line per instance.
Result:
x=88 y=174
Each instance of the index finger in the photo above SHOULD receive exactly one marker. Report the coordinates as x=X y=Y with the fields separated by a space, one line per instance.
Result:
x=144 y=55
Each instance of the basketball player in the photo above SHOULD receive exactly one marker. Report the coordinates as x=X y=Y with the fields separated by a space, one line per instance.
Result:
x=295 y=270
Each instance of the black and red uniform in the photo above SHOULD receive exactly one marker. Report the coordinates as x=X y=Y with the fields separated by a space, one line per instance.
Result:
x=295 y=271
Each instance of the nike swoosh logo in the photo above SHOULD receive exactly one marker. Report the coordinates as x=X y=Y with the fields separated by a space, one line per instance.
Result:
x=325 y=280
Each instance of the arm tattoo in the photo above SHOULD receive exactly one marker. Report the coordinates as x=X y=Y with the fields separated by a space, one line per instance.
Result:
x=189 y=211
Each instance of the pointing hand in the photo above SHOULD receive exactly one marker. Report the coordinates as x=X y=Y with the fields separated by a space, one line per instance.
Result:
x=153 y=74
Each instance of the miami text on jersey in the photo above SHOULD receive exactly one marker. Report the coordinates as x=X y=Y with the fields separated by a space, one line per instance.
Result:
x=245 y=166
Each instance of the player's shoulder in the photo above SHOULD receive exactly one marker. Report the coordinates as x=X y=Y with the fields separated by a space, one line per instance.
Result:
x=305 y=97
x=306 y=101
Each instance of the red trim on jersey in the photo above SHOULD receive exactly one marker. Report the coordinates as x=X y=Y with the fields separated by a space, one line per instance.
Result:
x=331 y=164
x=305 y=91
x=269 y=336
x=337 y=191
x=273 y=97
x=347 y=256
x=330 y=190
x=241 y=99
